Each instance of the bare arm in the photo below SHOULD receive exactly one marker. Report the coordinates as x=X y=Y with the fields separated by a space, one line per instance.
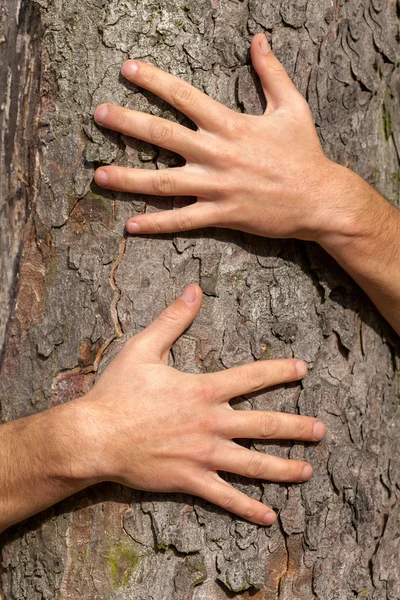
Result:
x=151 y=427
x=41 y=461
x=262 y=174
x=368 y=246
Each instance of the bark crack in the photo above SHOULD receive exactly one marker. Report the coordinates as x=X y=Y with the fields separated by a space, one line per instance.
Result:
x=117 y=295
x=283 y=575
x=93 y=368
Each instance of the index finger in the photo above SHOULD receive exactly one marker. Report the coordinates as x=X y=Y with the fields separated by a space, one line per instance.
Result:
x=255 y=376
x=200 y=108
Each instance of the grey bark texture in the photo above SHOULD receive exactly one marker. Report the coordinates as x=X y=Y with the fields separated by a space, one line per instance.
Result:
x=82 y=286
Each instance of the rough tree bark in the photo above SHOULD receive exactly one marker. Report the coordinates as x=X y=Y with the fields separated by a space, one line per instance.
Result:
x=81 y=286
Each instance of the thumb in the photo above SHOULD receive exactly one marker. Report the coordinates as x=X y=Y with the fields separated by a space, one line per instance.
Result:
x=276 y=83
x=158 y=337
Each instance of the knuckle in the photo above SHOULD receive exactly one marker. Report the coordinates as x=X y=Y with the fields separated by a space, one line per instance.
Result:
x=170 y=316
x=276 y=67
x=268 y=427
x=222 y=214
x=227 y=501
x=155 y=225
x=234 y=213
x=250 y=512
x=295 y=471
x=182 y=95
x=208 y=425
x=225 y=154
x=209 y=452
x=214 y=151
x=254 y=379
x=227 y=157
x=147 y=73
x=203 y=454
x=254 y=467
x=161 y=131
x=185 y=483
x=184 y=221
x=289 y=371
x=304 y=429
x=162 y=185
x=235 y=127
x=205 y=393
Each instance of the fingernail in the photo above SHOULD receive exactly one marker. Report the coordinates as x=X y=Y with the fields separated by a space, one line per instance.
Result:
x=132 y=227
x=301 y=368
x=100 y=114
x=101 y=177
x=129 y=68
x=306 y=473
x=189 y=294
x=264 y=45
x=319 y=430
x=269 y=518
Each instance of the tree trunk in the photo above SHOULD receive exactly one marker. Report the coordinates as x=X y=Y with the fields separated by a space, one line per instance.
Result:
x=82 y=286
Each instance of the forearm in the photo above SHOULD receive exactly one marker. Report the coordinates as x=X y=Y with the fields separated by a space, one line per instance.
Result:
x=43 y=459
x=368 y=244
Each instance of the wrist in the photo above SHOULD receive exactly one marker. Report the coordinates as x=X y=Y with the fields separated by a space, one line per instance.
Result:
x=72 y=442
x=45 y=458
x=100 y=430
x=353 y=212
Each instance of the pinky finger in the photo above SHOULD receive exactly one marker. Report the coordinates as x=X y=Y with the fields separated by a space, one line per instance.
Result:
x=194 y=216
x=214 y=489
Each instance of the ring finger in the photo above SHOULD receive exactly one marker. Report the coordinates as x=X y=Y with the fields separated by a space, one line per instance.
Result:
x=256 y=465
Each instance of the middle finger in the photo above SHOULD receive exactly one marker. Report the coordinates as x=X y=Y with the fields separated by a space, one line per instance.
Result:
x=150 y=128
x=264 y=425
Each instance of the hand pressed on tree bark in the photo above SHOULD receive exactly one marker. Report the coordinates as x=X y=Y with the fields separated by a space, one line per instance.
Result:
x=254 y=173
x=151 y=427
x=163 y=430
x=266 y=175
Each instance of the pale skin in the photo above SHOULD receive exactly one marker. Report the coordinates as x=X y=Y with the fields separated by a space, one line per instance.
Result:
x=145 y=424
x=150 y=427
x=265 y=174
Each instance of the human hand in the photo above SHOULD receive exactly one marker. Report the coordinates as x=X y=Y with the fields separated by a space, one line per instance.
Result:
x=158 y=429
x=261 y=174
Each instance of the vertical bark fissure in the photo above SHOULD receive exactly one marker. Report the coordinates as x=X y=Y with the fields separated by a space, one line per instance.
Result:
x=20 y=72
